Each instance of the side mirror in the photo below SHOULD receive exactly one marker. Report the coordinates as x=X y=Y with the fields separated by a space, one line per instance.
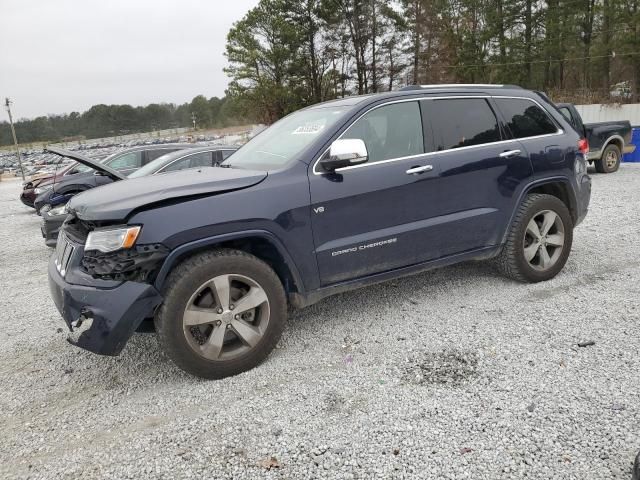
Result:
x=345 y=153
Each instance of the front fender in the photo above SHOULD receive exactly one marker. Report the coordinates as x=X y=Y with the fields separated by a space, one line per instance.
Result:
x=180 y=252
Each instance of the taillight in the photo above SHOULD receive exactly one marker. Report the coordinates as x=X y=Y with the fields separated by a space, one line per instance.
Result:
x=583 y=146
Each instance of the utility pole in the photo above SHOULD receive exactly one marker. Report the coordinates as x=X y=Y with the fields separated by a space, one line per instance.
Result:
x=193 y=119
x=7 y=103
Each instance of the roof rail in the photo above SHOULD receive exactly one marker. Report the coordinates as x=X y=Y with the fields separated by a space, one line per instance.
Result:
x=456 y=85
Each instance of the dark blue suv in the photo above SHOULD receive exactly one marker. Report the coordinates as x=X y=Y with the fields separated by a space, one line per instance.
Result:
x=333 y=197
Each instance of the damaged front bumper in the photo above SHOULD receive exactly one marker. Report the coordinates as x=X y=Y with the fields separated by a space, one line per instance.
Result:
x=102 y=320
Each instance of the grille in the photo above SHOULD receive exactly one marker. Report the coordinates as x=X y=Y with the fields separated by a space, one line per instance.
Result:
x=64 y=252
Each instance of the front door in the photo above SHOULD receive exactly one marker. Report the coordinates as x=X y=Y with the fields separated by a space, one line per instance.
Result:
x=376 y=216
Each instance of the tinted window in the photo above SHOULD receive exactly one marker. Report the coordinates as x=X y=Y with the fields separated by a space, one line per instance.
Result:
x=226 y=153
x=126 y=161
x=525 y=118
x=391 y=131
x=566 y=113
x=463 y=122
x=153 y=154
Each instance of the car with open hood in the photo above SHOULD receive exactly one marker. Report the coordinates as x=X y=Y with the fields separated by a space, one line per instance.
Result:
x=54 y=212
x=336 y=196
x=74 y=178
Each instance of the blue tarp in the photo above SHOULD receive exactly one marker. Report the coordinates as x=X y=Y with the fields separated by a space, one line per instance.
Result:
x=635 y=140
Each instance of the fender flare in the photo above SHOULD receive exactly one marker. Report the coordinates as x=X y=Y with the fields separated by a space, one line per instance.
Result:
x=573 y=201
x=611 y=139
x=608 y=141
x=179 y=252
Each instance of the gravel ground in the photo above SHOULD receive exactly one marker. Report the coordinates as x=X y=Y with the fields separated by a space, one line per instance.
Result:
x=455 y=373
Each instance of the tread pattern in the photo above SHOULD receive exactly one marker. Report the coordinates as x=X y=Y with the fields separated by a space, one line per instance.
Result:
x=506 y=260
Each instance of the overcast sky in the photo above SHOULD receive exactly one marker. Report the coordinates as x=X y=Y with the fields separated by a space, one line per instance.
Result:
x=66 y=55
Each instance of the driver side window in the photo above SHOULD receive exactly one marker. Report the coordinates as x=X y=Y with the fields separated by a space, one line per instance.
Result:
x=391 y=131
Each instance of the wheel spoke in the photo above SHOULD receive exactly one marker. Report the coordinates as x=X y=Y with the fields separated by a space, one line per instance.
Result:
x=533 y=230
x=555 y=240
x=222 y=288
x=545 y=259
x=199 y=316
x=548 y=220
x=530 y=251
x=247 y=333
x=213 y=346
x=254 y=298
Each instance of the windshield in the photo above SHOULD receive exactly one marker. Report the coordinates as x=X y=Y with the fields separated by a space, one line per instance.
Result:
x=153 y=166
x=280 y=143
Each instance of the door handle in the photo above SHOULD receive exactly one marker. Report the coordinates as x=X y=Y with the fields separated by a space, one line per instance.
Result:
x=510 y=153
x=425 y=168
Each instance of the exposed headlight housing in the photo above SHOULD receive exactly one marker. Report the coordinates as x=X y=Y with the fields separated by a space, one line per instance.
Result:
x=43 y=189
x=112 y=239
x=59 y=210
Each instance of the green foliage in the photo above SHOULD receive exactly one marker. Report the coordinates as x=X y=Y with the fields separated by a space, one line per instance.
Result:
x=112 y=120
x=285 y=54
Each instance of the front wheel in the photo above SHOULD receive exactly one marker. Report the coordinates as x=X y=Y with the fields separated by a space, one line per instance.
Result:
x=223 y=313
x=539 y=240
x=610 y=160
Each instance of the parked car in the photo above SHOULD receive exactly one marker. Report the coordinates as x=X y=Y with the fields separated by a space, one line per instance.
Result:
x=126 y=161
x=54 y=213
x=333 y=197
x=608 y=141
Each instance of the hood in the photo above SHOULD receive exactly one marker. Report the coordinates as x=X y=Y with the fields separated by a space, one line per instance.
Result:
x=95 y=164
x=116 y=201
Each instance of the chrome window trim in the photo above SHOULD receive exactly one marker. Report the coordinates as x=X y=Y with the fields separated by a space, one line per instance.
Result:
x=560 y=131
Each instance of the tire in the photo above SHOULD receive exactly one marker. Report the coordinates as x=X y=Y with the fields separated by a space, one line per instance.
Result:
x=200 y=331
x=610 y=160
x=522 y=257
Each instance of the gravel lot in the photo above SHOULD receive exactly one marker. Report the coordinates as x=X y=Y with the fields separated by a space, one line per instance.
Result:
x=456 y=373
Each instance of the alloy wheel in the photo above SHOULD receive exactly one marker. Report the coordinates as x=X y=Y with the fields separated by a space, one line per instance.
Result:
x=226 y=317
x=544 y=240
x=611 y=159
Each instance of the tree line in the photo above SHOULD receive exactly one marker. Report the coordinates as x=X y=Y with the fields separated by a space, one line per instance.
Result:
x=113 y=120
x=285 y=54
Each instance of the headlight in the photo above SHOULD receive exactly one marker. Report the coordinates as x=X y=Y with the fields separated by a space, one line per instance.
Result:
x=40 y=190
x=59 y=210
x=112 y=239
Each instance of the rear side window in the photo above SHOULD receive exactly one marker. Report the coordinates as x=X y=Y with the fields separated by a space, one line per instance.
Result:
x=463 y=122
x=153 y=154
x=524 y=118
x=202 y=159
x=226 y=154
x=392 y=131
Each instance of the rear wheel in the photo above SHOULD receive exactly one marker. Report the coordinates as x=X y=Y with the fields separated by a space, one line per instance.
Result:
x=539 y=241
x=610 y=161
x=224 y=312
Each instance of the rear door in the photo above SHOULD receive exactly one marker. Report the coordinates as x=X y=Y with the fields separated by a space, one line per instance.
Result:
x=538 y=134
x=480 y=173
